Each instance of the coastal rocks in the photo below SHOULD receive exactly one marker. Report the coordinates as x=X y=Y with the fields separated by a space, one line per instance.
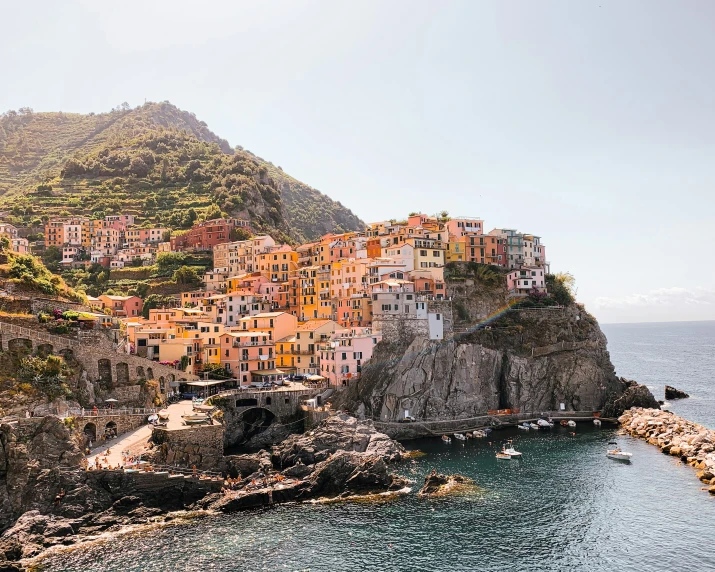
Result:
x=673 y=393
x=690 y=442
x=533 y=361
x=440 y=485
x=244 y=465
x=337 y=433
x=633 y=395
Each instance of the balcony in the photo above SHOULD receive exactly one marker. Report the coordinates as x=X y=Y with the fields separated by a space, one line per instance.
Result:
x=237 y=344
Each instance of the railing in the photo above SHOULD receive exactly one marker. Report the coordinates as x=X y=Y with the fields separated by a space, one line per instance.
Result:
x=113 y=412
x=252 y=344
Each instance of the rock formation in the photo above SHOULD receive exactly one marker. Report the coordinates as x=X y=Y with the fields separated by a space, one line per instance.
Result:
x=528 y=360
x=341 y=456
x=673 y=393
x=691 y=443
x=633 y=395
x=439 y=485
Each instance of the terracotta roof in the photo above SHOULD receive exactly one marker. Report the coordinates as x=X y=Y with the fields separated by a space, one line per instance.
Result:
x=313 y=325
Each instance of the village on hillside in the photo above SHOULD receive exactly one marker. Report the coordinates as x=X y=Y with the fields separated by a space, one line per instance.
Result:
x=269 y=311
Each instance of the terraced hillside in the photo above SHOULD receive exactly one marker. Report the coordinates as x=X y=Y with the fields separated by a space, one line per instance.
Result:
x=156 y=162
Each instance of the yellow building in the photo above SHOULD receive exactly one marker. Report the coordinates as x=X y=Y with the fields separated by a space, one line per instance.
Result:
x=278 y=264
x=456 y=250
x=285 y=354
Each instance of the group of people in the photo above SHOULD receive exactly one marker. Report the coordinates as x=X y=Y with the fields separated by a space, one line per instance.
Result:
x=260 y=481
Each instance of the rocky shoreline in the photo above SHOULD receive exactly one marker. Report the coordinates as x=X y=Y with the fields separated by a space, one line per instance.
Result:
x=692 y=443
x=342 y=457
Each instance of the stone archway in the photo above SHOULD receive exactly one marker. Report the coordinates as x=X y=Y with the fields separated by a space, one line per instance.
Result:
x=122 y=373
x=44 y=350
x=149 y=373
x=104 y=367
x=90 y=433
x=140 y=372
x=110 y=430
x=255 y=420
x=20 y=345
x=67 y=354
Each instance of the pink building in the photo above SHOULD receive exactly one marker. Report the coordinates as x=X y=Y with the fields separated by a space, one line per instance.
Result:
x=342 y=358
x=458 y=227
x=523 y=280
x=122 y=306
x=246 y=355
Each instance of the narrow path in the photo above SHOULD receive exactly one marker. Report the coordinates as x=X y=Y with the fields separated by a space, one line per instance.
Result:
x=132 y=439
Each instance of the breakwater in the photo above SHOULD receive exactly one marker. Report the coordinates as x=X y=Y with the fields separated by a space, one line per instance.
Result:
x=692 y=443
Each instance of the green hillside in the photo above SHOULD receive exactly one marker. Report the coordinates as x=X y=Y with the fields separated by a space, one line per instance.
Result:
x=157 y=162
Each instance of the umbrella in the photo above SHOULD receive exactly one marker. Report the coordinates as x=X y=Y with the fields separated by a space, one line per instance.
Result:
x=111 y=400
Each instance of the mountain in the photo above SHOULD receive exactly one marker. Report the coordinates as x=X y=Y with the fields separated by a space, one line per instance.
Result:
x=157 y=162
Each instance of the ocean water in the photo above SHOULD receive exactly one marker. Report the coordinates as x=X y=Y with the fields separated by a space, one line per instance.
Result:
x=681 y=354
x=563 y=507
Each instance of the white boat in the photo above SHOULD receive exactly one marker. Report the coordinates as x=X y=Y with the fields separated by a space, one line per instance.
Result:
x=543 y=423
x=533 y=426
x=523 y=427
x=511 y=451
x=195 y=417
x=503 y=456
x=617 y=454
x=597 y=422
x=446 y=439
x=479 y=434
x=460 y=437
x=571 y=423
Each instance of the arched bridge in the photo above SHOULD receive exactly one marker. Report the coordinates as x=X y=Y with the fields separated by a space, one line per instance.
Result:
x=94 y=351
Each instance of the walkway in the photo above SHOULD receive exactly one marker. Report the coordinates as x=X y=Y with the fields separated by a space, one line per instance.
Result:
x=129 y=441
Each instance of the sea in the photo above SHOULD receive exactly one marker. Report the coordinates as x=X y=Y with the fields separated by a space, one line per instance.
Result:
x=563 y=507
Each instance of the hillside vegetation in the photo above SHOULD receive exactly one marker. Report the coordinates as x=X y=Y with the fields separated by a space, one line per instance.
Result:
x=157 y=162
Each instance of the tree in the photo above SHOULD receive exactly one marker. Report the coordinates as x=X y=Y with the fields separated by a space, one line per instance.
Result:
x=561 y=287
x=168 y=262
x=52 y=256
x=186 y=275
x=153 y=301
x=240 y=234
x=138 y=167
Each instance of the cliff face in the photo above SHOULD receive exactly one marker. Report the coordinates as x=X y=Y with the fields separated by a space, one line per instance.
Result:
x=533 y=360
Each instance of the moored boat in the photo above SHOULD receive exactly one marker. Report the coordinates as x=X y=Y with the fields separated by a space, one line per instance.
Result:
x=523 y=427
x=478 y=434
x=544 y=424
x=446 y=439
x=597 y=422
x=563 y=423
x=571 y=423
x=533 y=426
x=617 y=454
x=195 y=417
x=510 y=450
x=460 y=437
x=503 y=456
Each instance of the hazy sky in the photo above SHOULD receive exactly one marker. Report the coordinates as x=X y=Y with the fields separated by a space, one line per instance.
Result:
x=590 y=123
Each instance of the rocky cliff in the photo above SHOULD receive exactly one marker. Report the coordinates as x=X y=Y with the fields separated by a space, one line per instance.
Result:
x=530 y=359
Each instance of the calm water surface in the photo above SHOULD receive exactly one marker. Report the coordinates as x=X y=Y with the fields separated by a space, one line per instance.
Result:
x=563 y=507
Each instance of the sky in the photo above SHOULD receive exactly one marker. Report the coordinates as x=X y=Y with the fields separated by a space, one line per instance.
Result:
x=589 y=123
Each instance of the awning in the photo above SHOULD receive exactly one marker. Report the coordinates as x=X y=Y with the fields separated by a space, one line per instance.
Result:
x=266 y=372
x=205 y=383
x=315 y=378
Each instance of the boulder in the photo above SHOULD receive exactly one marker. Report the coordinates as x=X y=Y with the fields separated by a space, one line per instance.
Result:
x=673 y=393
x=339 y=432
x=438 y=485
x=634 y=395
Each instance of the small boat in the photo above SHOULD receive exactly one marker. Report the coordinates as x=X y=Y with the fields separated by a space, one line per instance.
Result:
x=597 y=422
x=563 y=423
x=487 y=430
x=523 y=427
x=163 y=414
x=503 y=455
x=195 y=417
x=460 y=437
x=544 y=424
x=479 y=434
x=446 y=439
x=510 y=450
x=571 y=423
x=534 y=426
x=619 y=455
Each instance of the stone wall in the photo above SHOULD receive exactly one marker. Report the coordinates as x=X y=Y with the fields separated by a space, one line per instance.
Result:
x=95 y=353
x=201 y=446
